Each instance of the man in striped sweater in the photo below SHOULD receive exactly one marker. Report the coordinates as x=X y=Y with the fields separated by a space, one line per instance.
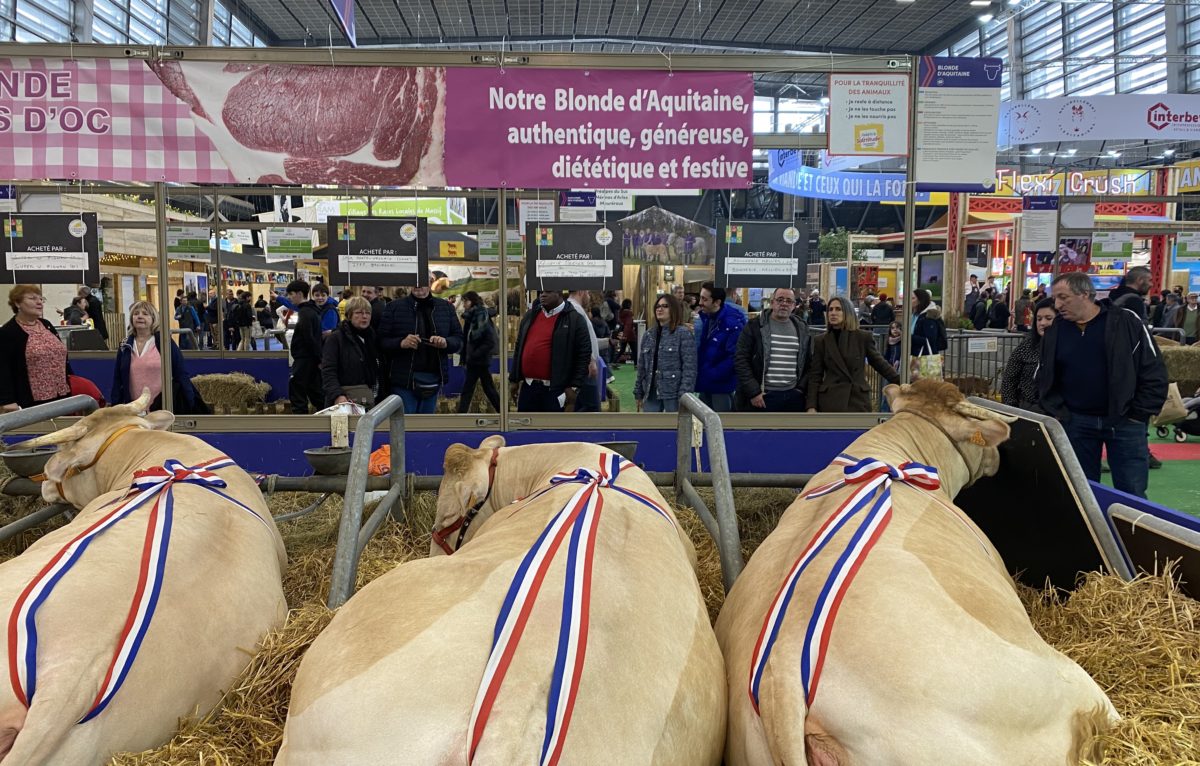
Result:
x=772 y=358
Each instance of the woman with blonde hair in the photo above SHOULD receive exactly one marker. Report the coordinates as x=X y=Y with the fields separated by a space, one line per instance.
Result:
x=139 y=366
x=33 y=361
x=837 y=377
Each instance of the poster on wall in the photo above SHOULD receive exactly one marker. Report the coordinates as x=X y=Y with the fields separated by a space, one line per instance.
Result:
x=658 y=236
x=572 y=256
x=50 y=249
x=762 y=254
x=1187 y=247
x=1071 y=254
x=958 y=107
x=868 y=114
x=388 y=252
x=189 y=243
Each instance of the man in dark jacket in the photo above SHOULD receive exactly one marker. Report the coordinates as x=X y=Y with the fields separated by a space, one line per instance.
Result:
x=882 y=313
x=419 y=332
x=374 y=297
x=1130 y=294
x=772 y=358
x=816 y=309
x=1102 y=376
x=551 y=358
x=95 y=311
x=304 y=386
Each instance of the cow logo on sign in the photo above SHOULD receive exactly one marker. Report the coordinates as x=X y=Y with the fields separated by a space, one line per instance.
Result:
x=1077 y=117
x=1025 y=121
x=408 y=232
x=604 y=237
x=791 y=235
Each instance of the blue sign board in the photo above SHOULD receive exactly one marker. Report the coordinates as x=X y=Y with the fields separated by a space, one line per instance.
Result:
x=789 y=175
x=344 y=10
x=960 y=72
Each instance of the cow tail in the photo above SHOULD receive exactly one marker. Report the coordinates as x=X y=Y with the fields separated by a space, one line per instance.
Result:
x=1087 y=726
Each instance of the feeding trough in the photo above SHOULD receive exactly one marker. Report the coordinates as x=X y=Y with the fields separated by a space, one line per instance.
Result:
x=29 y=462
x=329 y=461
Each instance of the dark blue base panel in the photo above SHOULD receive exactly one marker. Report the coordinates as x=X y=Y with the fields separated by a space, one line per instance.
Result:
x=748 y=451
x=1106 y=496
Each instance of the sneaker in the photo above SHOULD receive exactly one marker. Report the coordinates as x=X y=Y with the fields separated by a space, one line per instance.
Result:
x=1155 y=462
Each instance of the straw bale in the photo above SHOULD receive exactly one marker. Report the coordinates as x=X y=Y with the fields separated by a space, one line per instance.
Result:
x=1183 y=367
x=231 y=389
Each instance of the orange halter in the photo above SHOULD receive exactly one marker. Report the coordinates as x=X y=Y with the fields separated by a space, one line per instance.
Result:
x=76 y=470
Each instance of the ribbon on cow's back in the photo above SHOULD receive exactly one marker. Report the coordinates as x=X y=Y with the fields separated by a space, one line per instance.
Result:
x=153 y=484
x=579 y=519
x=873 y=480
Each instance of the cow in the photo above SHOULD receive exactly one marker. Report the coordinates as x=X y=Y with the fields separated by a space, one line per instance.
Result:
x=160 y=610
x=896 y=636
x=413 y=669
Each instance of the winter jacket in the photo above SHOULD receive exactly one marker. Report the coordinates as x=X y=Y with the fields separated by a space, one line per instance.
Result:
x=837 y=378
x=1018 y=387
x=998 y=315
x=883 y=314
x=400 y=319
x=1137 y=377
x=929 y=333
x=96 y=314
x=676 y=363
x=1125 y=297
x=182 y=379
x=479 y=336
x=754 y=349
x=348 y=358
x=816 y=311
x=716 y=345
x=14 y=370
x=306 y=338
x=570 y=350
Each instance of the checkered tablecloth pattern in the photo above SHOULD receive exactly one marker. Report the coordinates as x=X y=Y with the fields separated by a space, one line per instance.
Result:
x=151 y=135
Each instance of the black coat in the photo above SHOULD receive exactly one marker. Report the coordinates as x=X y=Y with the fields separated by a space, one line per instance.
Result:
x=14 y=372
x=96 y=314
x=348 y=359
x=929 y=334
x=480 y=338
x=306 y=338
x=837 y=377
x=400 y=320
x=570 y=350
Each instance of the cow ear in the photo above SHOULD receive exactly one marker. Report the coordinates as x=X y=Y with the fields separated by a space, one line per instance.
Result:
x=891 y=391
x=159 y=420
x=492 y=442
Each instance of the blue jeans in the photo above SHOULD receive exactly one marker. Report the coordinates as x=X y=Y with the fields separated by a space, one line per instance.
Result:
x=1125 y=440
x=717 y=402
x=660 y=405
x=783 y=401
x=413 y=405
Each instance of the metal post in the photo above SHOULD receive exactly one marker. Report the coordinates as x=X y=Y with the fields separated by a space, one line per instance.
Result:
x=164 y=296
x=910 y=225
x=502 y=308
x=27 y=416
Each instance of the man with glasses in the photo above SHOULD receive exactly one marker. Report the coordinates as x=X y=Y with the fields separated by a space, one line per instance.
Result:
x=772 y=358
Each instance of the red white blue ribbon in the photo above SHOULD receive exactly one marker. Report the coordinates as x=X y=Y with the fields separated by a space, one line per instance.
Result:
x=578 y=519
x=154 y=485
x=872 y=480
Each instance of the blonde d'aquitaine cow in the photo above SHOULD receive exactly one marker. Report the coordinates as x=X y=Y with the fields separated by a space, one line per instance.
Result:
x=568 y=628
x=877 y=626
x=146 y=606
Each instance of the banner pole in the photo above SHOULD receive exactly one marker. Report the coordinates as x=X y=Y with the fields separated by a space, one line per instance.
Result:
x=910 y=223
x=164 y=297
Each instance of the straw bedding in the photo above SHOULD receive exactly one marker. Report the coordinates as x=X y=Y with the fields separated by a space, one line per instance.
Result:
x=231 y=390
x=1183 y=367
x=1140 y=640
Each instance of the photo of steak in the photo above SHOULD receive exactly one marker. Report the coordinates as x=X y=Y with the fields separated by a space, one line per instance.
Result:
x=318 y=124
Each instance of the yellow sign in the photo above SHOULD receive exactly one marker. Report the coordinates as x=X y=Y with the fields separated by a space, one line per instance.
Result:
x=452 y=249
x=868 y=137
x=1187 y=176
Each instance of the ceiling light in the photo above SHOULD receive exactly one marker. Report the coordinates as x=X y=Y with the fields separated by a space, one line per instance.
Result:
x=1071 y=152
x=985 y=18
x=1053 y=154
x=1014 y=2
x=905 y=1
x=1168 y=152
x=981 y=3
x=1113 y=154
x=825 y=99
x=1036 y=150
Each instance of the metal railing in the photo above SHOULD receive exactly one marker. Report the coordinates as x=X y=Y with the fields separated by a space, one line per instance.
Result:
x=724 y=527
x=1172 y=333
x=353 y=535
x=975 y=359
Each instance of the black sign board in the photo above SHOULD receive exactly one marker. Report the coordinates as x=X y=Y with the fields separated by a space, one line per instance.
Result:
x=762 y=254
x=389 y=252
x=572 y=256
x=50 y=249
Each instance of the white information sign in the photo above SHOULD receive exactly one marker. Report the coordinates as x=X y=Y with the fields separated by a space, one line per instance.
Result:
x=868 y=115
x=534 y=210
x=982 y=345
x=958 y=111
x=762 y=267
x=577 y=214
x=602 y=269
x=614 y=199
x=387 y=264
x=287 y=243
x=46 y=261
x=189 y=243
x=1112 y=245
x=1187 y=247
x=873 y=254
x=1039 y=231
x=240 y=236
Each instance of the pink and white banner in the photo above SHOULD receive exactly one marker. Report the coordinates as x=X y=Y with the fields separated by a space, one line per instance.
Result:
x=565 y=128
x=207 y=122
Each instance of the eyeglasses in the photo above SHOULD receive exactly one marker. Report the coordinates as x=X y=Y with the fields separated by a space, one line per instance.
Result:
x=661 y=306
x=784 y=301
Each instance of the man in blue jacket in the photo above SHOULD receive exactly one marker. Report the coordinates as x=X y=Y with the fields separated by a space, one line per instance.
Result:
x=1102 y=376
x=418 y=333
x=718 y=327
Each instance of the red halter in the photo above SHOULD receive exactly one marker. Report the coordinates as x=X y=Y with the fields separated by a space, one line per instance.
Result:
x=463 y=523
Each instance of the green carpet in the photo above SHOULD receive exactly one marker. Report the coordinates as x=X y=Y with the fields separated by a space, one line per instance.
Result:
x=1175 y=485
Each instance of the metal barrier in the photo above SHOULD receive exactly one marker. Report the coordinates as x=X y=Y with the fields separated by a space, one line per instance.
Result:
x=353 y=535
x=1175 y=333
x=975 y=360
x=723 y=527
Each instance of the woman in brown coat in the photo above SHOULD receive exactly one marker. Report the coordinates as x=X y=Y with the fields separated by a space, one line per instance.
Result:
x=837 y=377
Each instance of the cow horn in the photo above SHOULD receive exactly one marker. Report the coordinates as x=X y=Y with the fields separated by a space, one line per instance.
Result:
x=68 y=434
x=982 y=413
x=139 y=405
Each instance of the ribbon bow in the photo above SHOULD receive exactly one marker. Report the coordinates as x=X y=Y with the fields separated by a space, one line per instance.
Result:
x=873 y=482
x=150 y=484
x=578 y=518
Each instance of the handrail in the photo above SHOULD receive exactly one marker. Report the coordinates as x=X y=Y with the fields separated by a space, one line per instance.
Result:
x=723 y=528
x=39 y=412
x=353 y=536
x=1179 y=331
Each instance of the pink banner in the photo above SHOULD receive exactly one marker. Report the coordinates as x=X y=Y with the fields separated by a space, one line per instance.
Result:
x=560 y=129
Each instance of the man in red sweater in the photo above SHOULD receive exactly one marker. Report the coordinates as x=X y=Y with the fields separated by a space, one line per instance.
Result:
x=550 y=361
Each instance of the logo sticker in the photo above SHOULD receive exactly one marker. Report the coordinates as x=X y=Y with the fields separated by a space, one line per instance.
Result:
x=408 y=232
x=77 y=228
x=791 y=235
x=604 y=237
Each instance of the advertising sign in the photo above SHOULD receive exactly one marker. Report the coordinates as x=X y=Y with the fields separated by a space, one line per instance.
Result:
x=868 y=114
x=561 y=128
x=50 y=248
x=787 y=174
x=378 y=251
x=189 y=243
x=489 y=244
x=287 y=243
x=958 y=105
x=762 y=254
x=443 y=210
x=572 y=256
x=1072 y=254
x=1160 y=116
x=1112 y=245
x=1187 y=247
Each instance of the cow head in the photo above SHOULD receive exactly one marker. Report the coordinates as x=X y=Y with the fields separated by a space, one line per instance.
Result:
x=973 y=431
x=465 y=497
x=82 y=445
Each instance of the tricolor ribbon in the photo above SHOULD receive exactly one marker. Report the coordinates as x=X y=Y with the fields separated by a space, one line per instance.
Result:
x=873 y=481
x=578 y=519
x=155 y=485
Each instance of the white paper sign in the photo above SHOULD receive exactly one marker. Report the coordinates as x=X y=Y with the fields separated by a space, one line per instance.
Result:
x=982 y=345
x=614 y=199
x=535 y=210
x=577 y=214
x=958 y=109
x=574 y=269
x=286 y=243
x=1112 y=245
x=389 y=264
x=868 y=115
x=52 y=261
x=240 y=236
x=1187 y=247
x=761 y=267
x=1039 y=231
